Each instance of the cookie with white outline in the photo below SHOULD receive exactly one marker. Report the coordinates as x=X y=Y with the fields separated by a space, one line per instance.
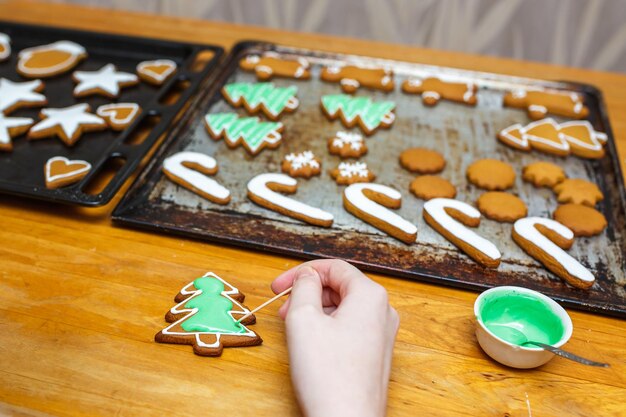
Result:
x=5 y=47
x=107 y=81
x=347 y=145
x=351 y=77
x=348 y=173
x=11 y=127
x=50 y=60
x=270 y=64
x=119 y=115
x=67 y=123
x=61 y=172
x=156 y=72
x=15 y=96
x=539 y=103
x=303 y=164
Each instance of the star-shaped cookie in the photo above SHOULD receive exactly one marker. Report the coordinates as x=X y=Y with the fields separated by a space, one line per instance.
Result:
x=578 y=191
x=16 y=95
x=67 y=123
x=106 y=81
x=10 y=127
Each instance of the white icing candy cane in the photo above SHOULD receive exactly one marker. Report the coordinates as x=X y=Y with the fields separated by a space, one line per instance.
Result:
x=258 y=187
x=175 y=166
x=436 y=209
x=527 y=229
x=354 y=194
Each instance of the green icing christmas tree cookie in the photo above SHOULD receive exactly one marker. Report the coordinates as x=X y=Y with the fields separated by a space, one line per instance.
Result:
x=265 y=97
x=250 y=132
x=368 y=114
x=206 y=318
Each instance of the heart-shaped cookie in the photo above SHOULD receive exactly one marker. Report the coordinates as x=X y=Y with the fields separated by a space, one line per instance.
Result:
x=156 y=72
x=60 y=171
x=119 y=115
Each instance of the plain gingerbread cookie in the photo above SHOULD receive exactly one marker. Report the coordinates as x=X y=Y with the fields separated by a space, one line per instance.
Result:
x=428 y=187
x=578 y=191
x=501 y=207
x=491 y=174
x=422 y=161
x=543 y=174
x=582 y=220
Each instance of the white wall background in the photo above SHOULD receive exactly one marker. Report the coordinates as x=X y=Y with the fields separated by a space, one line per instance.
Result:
x=584 y=33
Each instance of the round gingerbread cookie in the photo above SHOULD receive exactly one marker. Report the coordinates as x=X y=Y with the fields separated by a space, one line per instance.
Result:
x=422 y=161
x=578 y=191
x=428 y=187
x=501 y=207
x=491 y=174
x=582 y=220
x=543 y=174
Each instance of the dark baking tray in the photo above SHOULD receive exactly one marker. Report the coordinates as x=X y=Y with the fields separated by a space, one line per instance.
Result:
x=462 y=133
x=113 y=155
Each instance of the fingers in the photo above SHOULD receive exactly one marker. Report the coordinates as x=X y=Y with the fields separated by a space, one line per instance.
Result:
x=307 y=290
x=330 y=301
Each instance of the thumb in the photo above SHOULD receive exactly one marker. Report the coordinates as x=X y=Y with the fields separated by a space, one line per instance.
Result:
x=307 y=289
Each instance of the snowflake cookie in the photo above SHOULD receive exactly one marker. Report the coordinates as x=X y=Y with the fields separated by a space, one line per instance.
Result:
x=352 y=172
x=303 y=164
x=347 y=145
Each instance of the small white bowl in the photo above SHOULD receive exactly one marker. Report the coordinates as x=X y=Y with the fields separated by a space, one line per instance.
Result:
x=526 y=310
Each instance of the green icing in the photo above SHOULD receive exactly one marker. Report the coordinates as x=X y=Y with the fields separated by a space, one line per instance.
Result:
x=213 y=309
x=249 y=129
x=371 y=113
x=274 y=99
x=517 y=317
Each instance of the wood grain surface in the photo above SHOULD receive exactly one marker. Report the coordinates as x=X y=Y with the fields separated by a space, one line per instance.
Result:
x=82 y=299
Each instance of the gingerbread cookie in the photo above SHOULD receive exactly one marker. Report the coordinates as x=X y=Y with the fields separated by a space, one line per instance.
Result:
x=543 y=135
x=422 y=161
x=250 y=132
x=543 y=174
x=428 y=187
x=433 y=89
x=539 y=103
x=371 y=203
x=107 y=81
x=449 y=218
x=583 y=140
x=501 y=207
x=582 y=220
x=578 y=191
x=491 y=174
x=347 y=145
x=352 y=77
x=190 y=170
x=14 y=96
x=303 y=164
x=68 y=123
x=5 y=47
x=368 y=114
x=544 y=240
x=254 y=97
x=119 y=115
x=50 y=60
x=61 y=172
x=11 y=127
x=156 y=72
x=264 y=190
x=352 y=172
x=206 y=318
x=270 y=64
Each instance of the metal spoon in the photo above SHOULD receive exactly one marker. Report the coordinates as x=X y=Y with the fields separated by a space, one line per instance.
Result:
x=521 y=339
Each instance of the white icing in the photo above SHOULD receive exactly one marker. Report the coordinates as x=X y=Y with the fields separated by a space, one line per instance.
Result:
x=73 y=49
x=526 y=229
x=538 y=108
x=386 y=80
x=469 y=93
x=253 y=59
x=144 y=68
x=303 y=62
x=354 y=194
x=601 y=136
x=436 y=209
x=414 y=82
x=7 y=123
x=506 y=133
x=5 y=42
x=51 y=178
x=174 y=165
x=264 y=69
x=350 y=82
x=109 y=110
x=106 y=78
x=578 y=107
x=12 y=93
x=179 y=308
x=348 y=138
x=68 y=118
x=518 y=93
x=431 y=94
x=302 y=159
x=333 y=69
x=353 y=169
x=595 y=145
x=258 y=186
x=299 y=72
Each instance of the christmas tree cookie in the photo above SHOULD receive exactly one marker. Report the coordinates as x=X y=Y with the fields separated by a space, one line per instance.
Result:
x=206 y=318
x=272 y=101
x=369 y=115
x=250 y=132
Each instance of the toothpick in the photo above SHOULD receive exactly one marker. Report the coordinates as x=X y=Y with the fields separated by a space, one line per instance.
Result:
x=268 y=302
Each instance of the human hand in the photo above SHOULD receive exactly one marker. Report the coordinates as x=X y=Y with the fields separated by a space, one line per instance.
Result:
x=340 y=335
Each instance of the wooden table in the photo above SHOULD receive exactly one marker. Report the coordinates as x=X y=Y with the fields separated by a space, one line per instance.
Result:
x=82 y=299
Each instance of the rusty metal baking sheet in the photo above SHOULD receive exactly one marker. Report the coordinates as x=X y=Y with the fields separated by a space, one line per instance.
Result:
x=462 y=133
